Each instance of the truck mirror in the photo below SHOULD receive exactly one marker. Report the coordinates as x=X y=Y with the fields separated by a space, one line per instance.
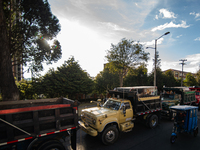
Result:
x=123 y=109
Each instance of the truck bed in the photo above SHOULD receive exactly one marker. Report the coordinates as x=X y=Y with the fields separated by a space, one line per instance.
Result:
x=141 y=103
x=28 y=119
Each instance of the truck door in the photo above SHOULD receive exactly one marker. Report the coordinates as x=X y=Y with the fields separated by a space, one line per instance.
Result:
x=127 y=115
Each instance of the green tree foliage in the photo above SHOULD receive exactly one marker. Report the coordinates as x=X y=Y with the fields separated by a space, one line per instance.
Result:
x=136 y=77
x=158 y=60
x=26 y=89
x=198 y=77
x=169 y=80
x=68 y=80
x=25 y=27
x=30 y=25
x=159 y=79
x=106 y=80
x=125 y=55
x=190 y=80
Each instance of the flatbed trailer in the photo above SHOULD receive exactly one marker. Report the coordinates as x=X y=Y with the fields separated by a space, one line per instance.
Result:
x=38 y=124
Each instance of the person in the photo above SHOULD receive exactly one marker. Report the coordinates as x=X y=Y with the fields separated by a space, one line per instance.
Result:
x=181 y=119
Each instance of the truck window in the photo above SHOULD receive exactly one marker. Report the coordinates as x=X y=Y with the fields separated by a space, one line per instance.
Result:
x=127 y=105
x=112 y=104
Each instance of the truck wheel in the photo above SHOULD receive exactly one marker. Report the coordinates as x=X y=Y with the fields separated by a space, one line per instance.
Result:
x=52 y=145
x=110 y=135
x=173 y=139
x=195 y=131
x=153 y=121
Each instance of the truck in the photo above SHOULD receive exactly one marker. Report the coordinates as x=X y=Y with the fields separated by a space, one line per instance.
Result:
x=197 y=95
x=173 y=96
x=41 y=124
x=121 y=111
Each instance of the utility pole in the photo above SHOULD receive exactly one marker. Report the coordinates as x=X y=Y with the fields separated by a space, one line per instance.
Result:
x=183 y=60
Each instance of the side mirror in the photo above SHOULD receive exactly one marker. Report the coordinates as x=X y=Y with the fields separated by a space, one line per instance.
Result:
x=123 y=109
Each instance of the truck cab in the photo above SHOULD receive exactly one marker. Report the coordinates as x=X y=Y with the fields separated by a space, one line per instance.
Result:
x=113 y=116
x=173 y=96
x=119 y=113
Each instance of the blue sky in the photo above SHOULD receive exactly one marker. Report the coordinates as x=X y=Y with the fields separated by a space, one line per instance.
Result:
x=88 y=27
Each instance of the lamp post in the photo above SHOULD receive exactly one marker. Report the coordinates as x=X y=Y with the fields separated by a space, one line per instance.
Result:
x=155 y=61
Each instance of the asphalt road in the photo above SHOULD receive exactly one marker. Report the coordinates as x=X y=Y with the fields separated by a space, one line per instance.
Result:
x=142 y=138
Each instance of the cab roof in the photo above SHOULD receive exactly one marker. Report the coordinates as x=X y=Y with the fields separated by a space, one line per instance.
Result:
x=183 y=107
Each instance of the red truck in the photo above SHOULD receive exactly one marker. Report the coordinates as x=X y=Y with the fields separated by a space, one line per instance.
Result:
x=38 y=124
x=197 y=94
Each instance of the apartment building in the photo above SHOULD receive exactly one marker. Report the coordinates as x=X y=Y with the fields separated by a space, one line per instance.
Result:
x=178 y=74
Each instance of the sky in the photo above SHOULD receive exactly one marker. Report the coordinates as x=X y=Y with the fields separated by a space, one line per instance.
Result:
x=89 y=27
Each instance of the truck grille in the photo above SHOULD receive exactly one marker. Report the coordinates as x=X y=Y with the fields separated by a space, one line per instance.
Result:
x=88 y=119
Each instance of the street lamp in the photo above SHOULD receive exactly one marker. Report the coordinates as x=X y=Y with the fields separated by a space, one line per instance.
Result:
x=156 y=57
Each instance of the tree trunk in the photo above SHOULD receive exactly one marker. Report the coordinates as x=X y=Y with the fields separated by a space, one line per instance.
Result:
x=121 y=79
x=8 y=87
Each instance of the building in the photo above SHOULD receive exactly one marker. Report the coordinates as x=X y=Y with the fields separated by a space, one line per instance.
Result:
x=178 y=74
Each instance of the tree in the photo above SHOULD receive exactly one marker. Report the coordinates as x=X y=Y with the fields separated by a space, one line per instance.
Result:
x=169 y=80
x=159 y=79
x=198 y=77
x=158 y=60
x=68 y=80
x=136 y=77
x=190 y=80
x=125 y=55
x=105 y=81
x=7 y=83
x=27 y=26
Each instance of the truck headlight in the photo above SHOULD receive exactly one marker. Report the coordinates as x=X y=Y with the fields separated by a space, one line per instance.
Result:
x=94 y=121
x=82 y=115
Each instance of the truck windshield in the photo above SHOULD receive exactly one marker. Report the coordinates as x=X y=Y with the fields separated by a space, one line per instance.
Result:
x=112 y=104
x=170 y=97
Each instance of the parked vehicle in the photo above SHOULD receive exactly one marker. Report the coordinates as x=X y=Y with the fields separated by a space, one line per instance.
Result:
x=172 y=96
x=185 y=121
x=197 y=95
x=118 y=114
x=37 y=124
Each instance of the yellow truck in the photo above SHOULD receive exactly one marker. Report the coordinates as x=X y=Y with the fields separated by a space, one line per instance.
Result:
x=119 y=113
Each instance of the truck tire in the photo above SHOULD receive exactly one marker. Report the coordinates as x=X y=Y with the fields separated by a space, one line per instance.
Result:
x=195 y=131
x=172 y=139
x=52 y=145
x=153 y=121
x=110 y=135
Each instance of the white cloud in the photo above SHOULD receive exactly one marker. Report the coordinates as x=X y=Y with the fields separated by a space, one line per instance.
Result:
x=197 y=39
x=164 y=13
x=171 y=25
x=179 y=36
x=191 y=65
x=152 y=42
x=197 y=15
x=113 y=26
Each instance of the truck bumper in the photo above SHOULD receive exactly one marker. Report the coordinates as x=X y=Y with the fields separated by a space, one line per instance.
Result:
x=88 y=130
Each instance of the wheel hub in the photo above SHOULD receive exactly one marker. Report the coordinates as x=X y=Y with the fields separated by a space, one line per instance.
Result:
x=110 y=135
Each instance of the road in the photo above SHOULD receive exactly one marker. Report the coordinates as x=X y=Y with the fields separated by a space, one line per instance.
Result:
x=142 y=138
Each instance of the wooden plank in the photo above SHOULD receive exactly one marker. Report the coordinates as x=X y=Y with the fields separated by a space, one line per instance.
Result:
x=9 y=129
x=36 y=123
x=18 y=110
x=57 y=118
